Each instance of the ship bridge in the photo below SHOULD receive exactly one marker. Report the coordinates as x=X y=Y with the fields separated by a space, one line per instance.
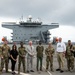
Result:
x=30 y=30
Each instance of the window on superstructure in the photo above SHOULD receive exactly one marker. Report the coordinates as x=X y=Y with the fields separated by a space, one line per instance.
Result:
x=15 y=30
x=30 y=34
x=16 y=37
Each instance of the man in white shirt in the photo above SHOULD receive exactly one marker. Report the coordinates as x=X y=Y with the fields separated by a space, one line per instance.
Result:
x=30 y=56
x=61 y=49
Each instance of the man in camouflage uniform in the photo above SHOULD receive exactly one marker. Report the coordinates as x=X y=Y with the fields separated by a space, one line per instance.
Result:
x=5 y=54
x=70 y=56
x=39 y=51
x=49 y=56
x=0 y=59
x=22 y=54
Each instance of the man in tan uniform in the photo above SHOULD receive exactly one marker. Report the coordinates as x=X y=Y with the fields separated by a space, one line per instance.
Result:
x=5 y=54
x=22 y=54
x=0 y=58
x=70 y=56
x=49 y=56
x=39 y=51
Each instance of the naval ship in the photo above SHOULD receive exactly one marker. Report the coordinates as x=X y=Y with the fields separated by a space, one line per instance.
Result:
x=30 y=30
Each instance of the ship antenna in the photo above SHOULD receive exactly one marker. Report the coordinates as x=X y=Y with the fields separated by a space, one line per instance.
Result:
x=21 y=19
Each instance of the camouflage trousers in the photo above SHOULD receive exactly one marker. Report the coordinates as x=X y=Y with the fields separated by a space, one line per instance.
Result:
x=0 y=66
x=49 y=60
x=4 y=61
x=70 y=62
x=21 y=60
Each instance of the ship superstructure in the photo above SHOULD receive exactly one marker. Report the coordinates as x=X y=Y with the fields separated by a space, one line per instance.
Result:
x=30 y=30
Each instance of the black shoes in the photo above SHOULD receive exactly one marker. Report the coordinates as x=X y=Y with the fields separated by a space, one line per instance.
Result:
x=61 y=71
x=13 y=73
x=31 y=71
x=58 y=69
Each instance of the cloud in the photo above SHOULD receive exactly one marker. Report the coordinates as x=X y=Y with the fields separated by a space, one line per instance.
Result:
x=61 y=11
x=66 y=32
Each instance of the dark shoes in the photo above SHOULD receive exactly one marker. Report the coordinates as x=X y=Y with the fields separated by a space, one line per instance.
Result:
x=58 y=69
x=61 y=71
x=31 y=71
x=13 y=73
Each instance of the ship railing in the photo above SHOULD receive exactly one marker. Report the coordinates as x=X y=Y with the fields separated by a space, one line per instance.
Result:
x=8 y=22
x=54 y=23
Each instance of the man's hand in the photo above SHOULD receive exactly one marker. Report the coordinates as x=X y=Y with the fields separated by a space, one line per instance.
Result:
x=23 y=56
x=2 y=57
x=63 y=54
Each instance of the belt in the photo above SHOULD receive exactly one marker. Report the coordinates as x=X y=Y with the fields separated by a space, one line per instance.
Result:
x=59 y=52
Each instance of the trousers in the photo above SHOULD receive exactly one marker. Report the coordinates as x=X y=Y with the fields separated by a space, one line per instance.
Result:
x=29 y=63
x=13 y=65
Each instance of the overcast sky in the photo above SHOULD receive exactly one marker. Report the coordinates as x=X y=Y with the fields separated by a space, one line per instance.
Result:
x=59 y=11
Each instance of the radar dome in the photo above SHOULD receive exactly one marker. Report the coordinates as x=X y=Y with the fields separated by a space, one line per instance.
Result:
x=30 y=16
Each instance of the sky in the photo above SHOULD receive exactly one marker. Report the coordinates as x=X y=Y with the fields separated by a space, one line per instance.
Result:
x=50 y=11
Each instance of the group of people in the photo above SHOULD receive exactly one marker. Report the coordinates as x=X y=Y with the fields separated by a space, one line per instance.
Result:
x=20 y=53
